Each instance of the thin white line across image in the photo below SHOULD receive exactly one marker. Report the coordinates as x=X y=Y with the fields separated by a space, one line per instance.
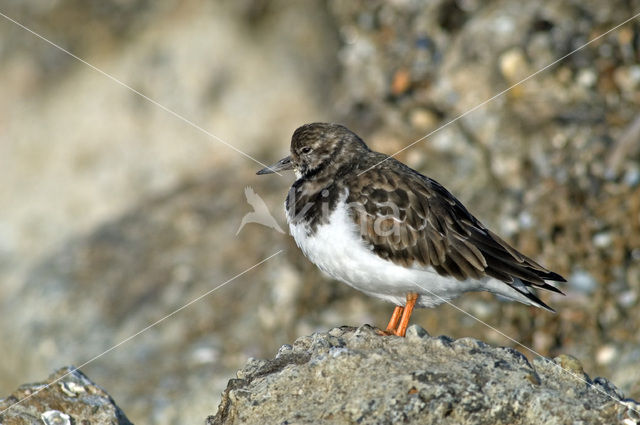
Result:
x=147 y=98
x=175 y=114
x=124 y=341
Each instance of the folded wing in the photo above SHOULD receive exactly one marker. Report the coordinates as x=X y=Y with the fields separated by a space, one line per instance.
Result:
x=414 y=221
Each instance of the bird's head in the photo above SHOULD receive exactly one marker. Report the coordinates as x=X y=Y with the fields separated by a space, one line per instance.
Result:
x=319 y=148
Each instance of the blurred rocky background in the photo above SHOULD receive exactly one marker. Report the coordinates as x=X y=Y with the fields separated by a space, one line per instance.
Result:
x=114 y=212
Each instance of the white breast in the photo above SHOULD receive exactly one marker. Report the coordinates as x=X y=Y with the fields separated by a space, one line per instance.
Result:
x=338 y=249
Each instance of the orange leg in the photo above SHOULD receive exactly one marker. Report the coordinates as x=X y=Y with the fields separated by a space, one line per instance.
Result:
x=401 y=330
x=395 y=317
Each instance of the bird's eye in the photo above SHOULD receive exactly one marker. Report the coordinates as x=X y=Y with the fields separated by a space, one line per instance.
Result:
x=306 y=150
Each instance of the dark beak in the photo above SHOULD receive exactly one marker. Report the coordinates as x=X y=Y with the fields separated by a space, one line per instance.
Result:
x=283 y=165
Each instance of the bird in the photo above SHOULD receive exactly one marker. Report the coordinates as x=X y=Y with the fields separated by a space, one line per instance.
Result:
x=260 y=213
x=385 y=229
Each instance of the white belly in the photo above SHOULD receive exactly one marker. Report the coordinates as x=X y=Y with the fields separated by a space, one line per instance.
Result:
x=337 y=249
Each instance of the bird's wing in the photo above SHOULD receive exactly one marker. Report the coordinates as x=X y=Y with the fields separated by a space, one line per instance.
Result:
x=412 y=220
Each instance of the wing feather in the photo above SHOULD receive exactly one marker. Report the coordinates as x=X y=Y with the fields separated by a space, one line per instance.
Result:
x=412 y=220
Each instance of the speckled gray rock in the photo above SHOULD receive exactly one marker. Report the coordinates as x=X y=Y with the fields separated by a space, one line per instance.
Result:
x=351 y=375
x=67 y=397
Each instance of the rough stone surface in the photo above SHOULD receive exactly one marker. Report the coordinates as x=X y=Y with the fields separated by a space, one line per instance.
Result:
x=350 y=375
x=66 y=397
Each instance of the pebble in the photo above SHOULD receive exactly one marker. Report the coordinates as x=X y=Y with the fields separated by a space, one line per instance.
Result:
x=606 y=354
x=513 y=65
x=55 y=417
x=582 y=282
x=422 y=119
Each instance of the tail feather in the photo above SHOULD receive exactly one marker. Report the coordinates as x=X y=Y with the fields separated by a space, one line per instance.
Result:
x=533 y=298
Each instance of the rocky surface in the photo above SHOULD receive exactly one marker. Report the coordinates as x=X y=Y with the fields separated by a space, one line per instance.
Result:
x=350 y=375
x=67 y=397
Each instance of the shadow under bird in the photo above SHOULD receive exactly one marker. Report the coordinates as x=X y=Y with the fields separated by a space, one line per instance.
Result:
x=383 y=228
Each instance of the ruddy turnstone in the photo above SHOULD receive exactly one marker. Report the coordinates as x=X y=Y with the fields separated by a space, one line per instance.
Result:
x=387 y=230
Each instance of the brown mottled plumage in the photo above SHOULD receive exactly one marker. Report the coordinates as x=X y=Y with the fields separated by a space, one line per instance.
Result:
x=401 y=216
x=436 y=230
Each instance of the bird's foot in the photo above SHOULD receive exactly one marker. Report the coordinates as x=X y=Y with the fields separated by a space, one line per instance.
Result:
x=400 y=318
x=387 y=332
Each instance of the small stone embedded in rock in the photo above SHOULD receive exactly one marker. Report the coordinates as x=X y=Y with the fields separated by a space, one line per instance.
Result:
x=55 y=417
x=71 y=389
x=415 y=331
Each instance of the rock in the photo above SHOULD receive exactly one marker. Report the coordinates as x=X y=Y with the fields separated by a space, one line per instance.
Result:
x=353 y=375
x=66 y=397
